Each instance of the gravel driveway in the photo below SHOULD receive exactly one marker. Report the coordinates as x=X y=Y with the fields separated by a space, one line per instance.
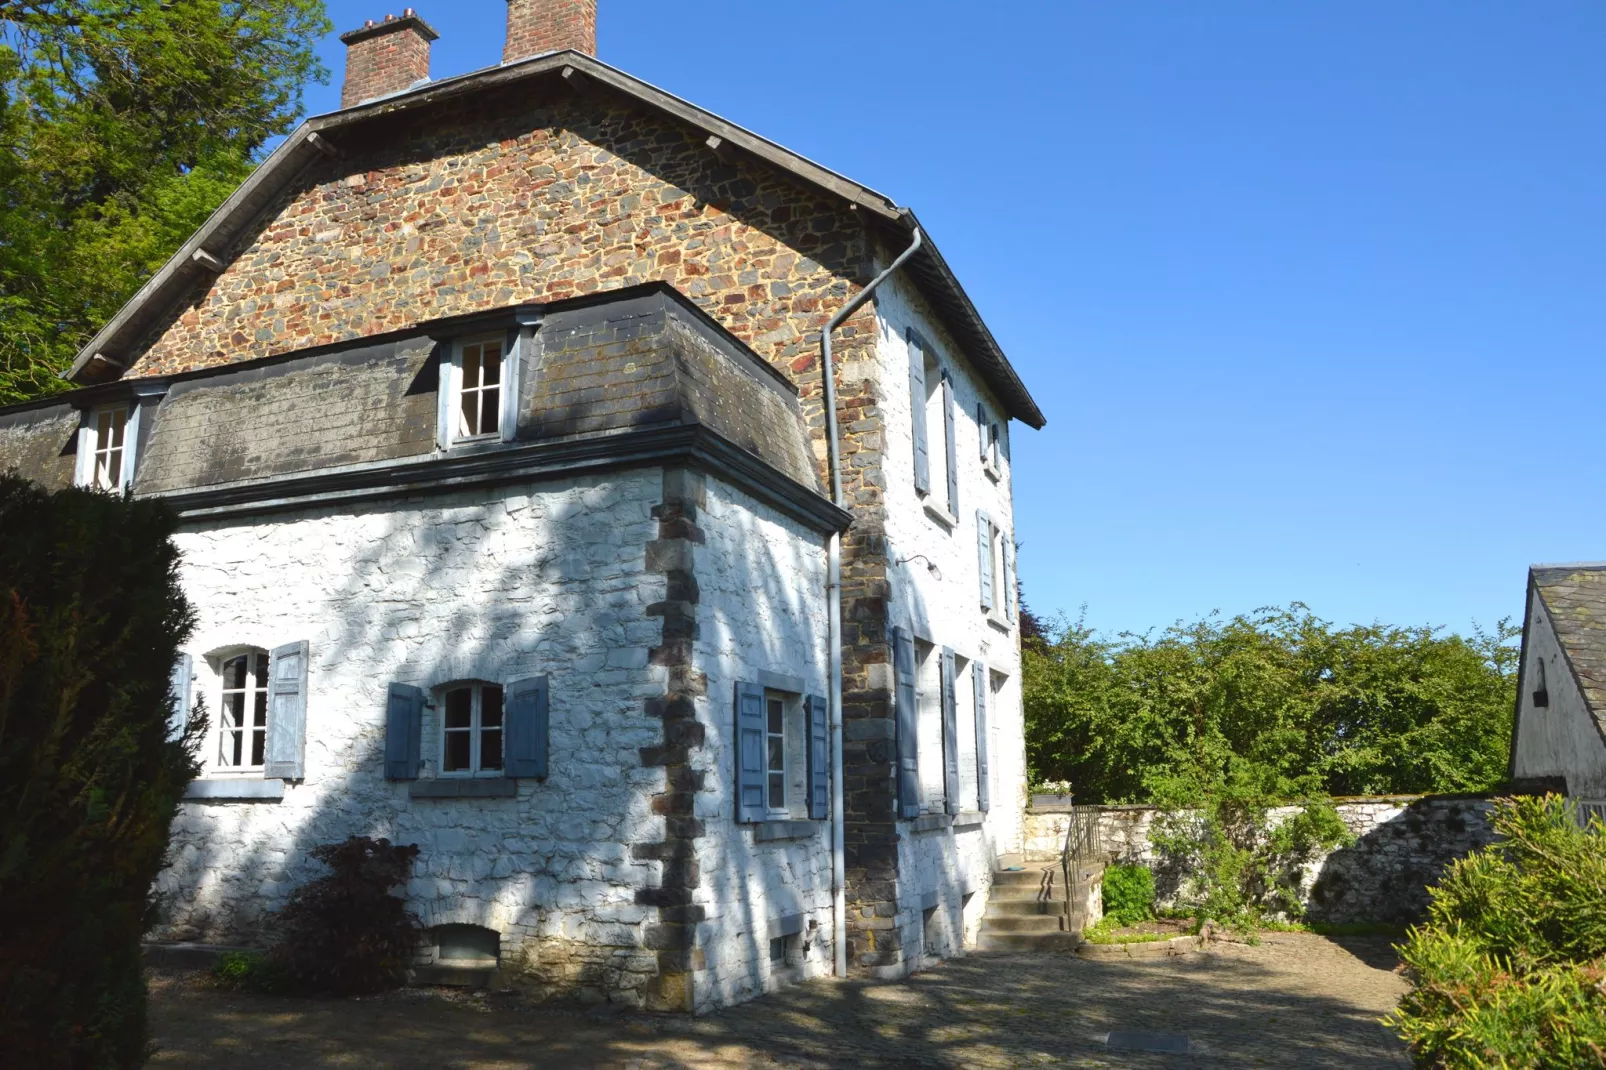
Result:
x=1296 y=1000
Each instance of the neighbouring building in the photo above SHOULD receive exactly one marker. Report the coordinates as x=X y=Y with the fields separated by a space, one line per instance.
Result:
x=492 y=409
x=1560 y=732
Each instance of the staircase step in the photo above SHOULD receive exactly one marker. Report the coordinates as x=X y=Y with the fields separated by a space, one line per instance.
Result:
x=1017 y=907
x=1056 y=941
x=1023 y=923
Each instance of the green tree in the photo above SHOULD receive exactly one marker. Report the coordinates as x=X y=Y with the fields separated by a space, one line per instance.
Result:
x=123 y=125
x=1278 y=703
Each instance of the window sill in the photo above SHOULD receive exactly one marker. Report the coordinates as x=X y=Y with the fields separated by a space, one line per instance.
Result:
x=998 y=622
x=943 y=517
x=463 y=788
x=235 y=789
x=992 y=473
x=969 y=819
x=768 y=831
x=931 y=822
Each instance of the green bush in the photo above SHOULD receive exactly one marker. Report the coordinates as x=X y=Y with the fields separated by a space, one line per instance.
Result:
x=1509 y=969
x=1128 y=894
x=345 y=933
x=91 y=618
x=255 y=971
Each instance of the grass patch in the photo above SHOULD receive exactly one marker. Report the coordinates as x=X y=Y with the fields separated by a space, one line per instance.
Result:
x=1103 y=932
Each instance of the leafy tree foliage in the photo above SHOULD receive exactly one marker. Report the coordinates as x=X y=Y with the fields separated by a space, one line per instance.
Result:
x=1510 y=967
x=91 y=616
x=1276 y=704
x=344 y=932
x=123 y=125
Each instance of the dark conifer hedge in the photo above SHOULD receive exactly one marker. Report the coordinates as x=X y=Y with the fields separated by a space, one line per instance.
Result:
x=91 y=617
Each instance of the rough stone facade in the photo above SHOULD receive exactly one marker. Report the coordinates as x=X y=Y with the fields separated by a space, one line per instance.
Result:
x=1402 y=845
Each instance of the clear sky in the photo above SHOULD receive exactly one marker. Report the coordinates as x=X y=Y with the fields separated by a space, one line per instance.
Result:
x=1313 y=295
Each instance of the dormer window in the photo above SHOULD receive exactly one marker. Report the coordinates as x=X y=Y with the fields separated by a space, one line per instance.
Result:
x=476 y=390
x=105 y=454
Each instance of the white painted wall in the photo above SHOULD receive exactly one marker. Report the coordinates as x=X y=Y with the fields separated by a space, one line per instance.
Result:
x=1561 y=739
x=761 y=578
x=946 y=610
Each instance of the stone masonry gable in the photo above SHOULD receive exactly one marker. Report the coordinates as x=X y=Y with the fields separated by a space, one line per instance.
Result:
x=1575 y=596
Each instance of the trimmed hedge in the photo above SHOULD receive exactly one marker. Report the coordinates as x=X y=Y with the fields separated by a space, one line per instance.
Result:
x=91 y=617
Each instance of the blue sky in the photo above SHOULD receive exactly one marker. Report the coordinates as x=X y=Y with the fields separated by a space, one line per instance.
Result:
x=1313 y=295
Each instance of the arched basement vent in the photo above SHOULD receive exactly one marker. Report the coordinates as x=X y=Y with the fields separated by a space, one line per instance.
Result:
x=466 y=945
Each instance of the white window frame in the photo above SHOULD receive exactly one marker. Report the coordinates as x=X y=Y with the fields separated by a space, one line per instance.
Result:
x=450 y=414
x=476 y=729
x=785 y=701
x=257 y=668
x=937 y=445
x=90 y=448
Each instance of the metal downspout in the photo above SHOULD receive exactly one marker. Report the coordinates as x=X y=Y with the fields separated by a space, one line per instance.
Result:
x=833 y=593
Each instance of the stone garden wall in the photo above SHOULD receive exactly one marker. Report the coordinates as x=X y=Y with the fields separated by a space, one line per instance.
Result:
x=1402 y=844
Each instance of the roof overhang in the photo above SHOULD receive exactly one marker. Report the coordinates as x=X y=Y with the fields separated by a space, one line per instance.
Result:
x=108 y=353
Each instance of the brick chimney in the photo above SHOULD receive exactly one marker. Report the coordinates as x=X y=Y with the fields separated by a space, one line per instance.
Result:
x=386 y=57
x=537 y=26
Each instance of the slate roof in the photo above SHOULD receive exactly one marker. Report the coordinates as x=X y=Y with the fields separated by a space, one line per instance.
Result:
x=104 y=356
x=1575 y=598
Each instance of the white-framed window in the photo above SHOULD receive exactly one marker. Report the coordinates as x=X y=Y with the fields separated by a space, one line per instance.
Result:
x=785 y=755
x=106 y=449
x=775 y=752
x=477 y=390
x=242 y=731
x=471 y=730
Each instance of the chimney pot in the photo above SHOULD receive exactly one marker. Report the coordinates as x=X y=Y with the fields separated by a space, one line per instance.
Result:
x=535 y=27
x=386 y=57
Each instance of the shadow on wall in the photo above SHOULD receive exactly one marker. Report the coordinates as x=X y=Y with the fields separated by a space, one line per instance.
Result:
x=1385 y=875
x=397 y=597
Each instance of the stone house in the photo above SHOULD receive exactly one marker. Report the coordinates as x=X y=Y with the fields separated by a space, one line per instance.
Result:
x=1560 y=732
x=519 y=525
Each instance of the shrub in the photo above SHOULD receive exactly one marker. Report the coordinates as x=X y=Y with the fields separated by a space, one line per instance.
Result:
x=1128 y=894
x=91 y=618
x=1510 y=967
x=255 y=971
x=1240 y=863
x=345 y=933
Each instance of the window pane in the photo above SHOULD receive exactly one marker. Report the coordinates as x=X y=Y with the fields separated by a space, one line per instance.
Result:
x=261 y=668
x=458 y=708
x=777 y=791
x=117 y=422
x=490 y=401
x=490 y=363
x=229 y=749
x=259 y=711
x=776 y=715
x=259 y=739
x=471 y=367
x=471 y=413
x=455 y=759
x=777 y=753
x=491 y=749
x=233 y=709
x=490 y=707
x=234 y=673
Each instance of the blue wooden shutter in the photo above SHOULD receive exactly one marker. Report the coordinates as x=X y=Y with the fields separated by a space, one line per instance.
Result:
x=917 y=410
x=950 y=444
x=905 y=699
x=950 y=733
x=984 y=557
x=750 y=740
x=404 y=731
x=179 y=689
x=525 y=727
x=1007 y=597
x=819 y=758
x=978 y=672
x=285 y=757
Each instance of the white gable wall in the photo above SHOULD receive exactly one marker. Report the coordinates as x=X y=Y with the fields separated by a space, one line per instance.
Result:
x=1561 y=739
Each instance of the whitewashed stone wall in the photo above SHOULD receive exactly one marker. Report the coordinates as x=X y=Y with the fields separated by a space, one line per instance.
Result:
x=761 y=579
x=944 y=608
x=1402 y=845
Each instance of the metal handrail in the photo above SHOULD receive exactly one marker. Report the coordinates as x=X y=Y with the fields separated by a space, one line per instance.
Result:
x=1081 y=834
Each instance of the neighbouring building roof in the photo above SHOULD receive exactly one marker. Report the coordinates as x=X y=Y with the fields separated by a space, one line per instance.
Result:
x=108 y=353
x=1575 y=598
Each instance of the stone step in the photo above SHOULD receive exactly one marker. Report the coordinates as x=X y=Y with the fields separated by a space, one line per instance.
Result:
x=1027 y=878
x=1055 y=941
x=1023 y=923
x=455 y=975
x=997 y=906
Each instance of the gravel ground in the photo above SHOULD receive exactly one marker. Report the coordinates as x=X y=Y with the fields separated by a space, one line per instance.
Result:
x=1296 y=1000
